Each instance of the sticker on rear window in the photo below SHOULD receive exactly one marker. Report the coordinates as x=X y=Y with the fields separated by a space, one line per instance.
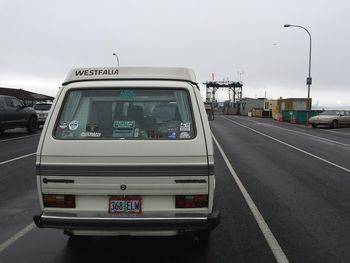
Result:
x=73 y=125
x=127 y=93
x=136 y=132
x=90 y=134
x=123 y=133
x=124 y=124
x=63 y=125
x=171 y=135
x=92 y=127
x=185 y=135
x=185 y=126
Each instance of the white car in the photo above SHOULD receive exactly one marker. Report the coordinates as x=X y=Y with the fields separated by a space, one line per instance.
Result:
x=333 y=118
x=127 y=151
x=42 y=110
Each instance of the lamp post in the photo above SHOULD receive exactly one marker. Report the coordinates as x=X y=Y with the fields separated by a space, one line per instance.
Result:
x=116 y=56
x=309 y=79
x=240 y=73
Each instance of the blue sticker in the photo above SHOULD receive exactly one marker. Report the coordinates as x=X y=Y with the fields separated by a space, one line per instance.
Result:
x=171 y=135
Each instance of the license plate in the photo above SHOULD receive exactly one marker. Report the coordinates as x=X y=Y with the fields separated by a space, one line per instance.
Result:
x=125 y=204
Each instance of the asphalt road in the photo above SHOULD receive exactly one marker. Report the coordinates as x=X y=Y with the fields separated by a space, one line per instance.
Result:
x=298 y=178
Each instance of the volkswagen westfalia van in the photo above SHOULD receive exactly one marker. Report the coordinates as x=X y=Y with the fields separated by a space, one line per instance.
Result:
x=127 y=151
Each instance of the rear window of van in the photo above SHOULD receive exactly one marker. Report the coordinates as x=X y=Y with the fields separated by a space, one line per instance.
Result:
x=141 y=114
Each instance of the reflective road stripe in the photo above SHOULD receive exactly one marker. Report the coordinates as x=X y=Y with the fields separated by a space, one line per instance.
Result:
x=16 y=236
x=18 y=158
x=270 y=238
x=291 y=146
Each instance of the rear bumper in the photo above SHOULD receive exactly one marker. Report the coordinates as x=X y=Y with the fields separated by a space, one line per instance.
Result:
x=128 y=222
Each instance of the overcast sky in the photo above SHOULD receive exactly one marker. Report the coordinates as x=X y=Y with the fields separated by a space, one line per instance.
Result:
x=41 y=40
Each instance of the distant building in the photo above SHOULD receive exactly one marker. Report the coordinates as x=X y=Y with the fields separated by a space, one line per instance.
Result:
x=28 y=97
x=230 y=107
x=272 y=106
x=294 y=104
x=247 y=105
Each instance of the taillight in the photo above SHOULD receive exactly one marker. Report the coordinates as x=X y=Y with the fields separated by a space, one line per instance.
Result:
x=63 y=201
x=191 y=201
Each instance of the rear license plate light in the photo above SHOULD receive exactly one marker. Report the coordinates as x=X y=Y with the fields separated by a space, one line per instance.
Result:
x=61 y=201
x=191 y=201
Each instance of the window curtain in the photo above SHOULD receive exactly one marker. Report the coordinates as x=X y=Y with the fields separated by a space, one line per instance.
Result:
x=184 y=109
x=71 y=105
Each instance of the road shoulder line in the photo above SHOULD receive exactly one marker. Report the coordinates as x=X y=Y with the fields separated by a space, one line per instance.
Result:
x=289 y=145
x=21 y=137
x=18 y=158
x=16 y=236
x=267 y=233
x=299 y=132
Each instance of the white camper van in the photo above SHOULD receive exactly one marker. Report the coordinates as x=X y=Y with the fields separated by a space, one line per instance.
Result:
x=127 y=151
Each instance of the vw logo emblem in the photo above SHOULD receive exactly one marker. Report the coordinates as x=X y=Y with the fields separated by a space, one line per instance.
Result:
x=123 y=187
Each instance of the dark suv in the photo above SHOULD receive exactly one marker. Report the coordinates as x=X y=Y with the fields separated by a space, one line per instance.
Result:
x=14 y=114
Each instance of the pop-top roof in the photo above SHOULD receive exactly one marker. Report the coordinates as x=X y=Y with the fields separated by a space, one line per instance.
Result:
x=129 y=73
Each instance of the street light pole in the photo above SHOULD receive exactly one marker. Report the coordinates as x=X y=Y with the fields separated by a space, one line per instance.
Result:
x=116 y=56
x=240 y=73
x=309 y=79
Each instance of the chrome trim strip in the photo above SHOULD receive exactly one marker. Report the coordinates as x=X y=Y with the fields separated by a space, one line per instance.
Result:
x=144 y=219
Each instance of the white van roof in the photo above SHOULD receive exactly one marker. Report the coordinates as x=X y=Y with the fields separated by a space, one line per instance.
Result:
x=128 y=73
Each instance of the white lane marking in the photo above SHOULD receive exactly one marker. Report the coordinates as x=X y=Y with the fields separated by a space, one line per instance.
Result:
x=298 y=132
x=336 y=132
x=277 y=251
x=16 y=236
x=314 y=136
x=291 y=146
x=18 y=138
x=18 y=158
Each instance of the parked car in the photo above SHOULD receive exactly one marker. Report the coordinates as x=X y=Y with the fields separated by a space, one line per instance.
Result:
x=333 y=118
x=127 y=151
x=14 y=114
x=42 y=110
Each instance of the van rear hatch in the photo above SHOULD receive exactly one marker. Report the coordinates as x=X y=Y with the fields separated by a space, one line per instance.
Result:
x=126 y=149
